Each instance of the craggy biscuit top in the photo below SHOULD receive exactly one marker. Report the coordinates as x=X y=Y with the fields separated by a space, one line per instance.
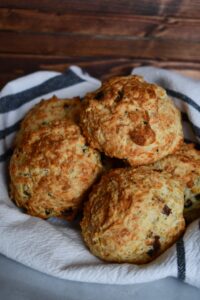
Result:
x=133 y=215
x=52 y=169
x=184 y=163
x=47 y=111
x=131 y=119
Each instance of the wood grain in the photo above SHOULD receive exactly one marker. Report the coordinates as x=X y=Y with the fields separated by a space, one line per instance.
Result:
x=105 y=37
x=13 y=66
x=94 y=46
x=32 y=21
x=181 y=8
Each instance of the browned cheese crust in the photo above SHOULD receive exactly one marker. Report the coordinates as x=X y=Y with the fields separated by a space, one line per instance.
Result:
x=131 y=119
x=133 y=215
x=52 y=169
x=47 y=111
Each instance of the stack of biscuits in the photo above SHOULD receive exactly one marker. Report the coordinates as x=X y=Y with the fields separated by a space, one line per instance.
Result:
x=135 y=200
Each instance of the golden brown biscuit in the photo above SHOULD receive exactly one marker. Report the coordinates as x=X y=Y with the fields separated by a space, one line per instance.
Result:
x=52 y=170
x=133 y=215
x=47 y=111
x=131 y=119
x=185 y=165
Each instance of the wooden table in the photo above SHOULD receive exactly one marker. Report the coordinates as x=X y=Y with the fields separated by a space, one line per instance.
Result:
x=107 y=37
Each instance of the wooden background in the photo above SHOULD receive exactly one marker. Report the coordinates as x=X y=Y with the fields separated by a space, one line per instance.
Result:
x=105 y=37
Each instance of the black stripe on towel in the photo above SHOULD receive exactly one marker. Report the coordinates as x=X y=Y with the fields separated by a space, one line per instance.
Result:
x=185 y=117
x=9 y=130
x=195 y=128
x=184 y=98
x=6 y=155
x=181 y=265
x=12 y=102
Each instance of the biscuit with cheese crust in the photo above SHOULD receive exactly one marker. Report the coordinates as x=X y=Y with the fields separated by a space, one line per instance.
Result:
x=131 y=119
x=47 y=111
x=52 y=170
x=133 y=215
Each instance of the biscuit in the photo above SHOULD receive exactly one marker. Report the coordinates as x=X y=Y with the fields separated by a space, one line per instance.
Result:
x=133 y=215
x=185 y=165
x=131 y=119
x=47 y=111
x=52 y=169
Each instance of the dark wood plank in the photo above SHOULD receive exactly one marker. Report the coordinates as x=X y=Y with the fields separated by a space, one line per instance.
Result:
x=13 y=66
x=183 y=8
x=130 y=25
x=94 y=46
x=106 y=37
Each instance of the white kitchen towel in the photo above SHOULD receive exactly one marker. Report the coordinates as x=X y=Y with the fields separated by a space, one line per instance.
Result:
x=56 y=247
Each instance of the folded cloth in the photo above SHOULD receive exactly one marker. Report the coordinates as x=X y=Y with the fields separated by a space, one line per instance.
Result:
x=55 y=247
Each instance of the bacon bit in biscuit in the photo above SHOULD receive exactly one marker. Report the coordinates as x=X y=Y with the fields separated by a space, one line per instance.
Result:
x=155 y=246
x=166 y=210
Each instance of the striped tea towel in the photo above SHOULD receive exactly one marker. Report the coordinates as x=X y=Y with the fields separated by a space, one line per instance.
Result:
x=56 y=247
